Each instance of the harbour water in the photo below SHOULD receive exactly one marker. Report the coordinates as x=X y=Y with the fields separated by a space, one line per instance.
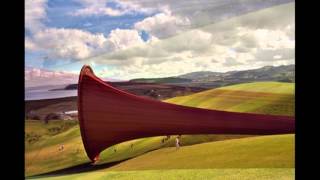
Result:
x=47 y=92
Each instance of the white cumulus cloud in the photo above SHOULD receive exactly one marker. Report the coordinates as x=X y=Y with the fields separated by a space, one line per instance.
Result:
x=123 y=38
x=235 y=44
x=163 y=24
x=67 y=43
x=78 y=44
x=35 y=13
x=100 y=8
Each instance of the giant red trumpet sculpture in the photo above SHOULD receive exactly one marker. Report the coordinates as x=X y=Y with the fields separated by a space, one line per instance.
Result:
x=109 y=116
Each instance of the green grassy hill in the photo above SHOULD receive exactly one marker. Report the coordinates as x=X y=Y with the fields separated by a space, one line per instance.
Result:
x=185 y=174
x=260 y=97
x=276 y=151
x=42 y=154
x=42 y=141
x=264 y=157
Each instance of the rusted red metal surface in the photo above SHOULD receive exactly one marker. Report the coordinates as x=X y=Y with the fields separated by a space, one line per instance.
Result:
x=108 y=116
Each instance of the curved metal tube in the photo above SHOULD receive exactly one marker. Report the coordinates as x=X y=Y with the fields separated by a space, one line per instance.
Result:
x=108 y=116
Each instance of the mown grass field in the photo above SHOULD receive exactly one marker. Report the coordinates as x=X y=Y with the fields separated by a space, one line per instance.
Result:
x=276 y=151
x=42 y=153
x=264 y=157
x=187 y=174
x=273 y=98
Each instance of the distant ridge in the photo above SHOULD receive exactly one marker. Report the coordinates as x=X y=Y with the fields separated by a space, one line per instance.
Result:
x=209 y=79
x=284 y=73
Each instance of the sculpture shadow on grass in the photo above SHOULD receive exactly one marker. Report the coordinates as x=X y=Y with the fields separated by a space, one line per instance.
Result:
x=86 y=167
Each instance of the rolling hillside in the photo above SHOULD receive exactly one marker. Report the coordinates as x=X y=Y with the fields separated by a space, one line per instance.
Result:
x=185 y=174
x=284 y=73
x=209 y=79
x=264 y=157
x=276 y=151
x=260 y=97
x=42 y=155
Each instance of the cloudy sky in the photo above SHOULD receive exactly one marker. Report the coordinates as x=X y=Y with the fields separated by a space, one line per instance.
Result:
x=124 y=39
